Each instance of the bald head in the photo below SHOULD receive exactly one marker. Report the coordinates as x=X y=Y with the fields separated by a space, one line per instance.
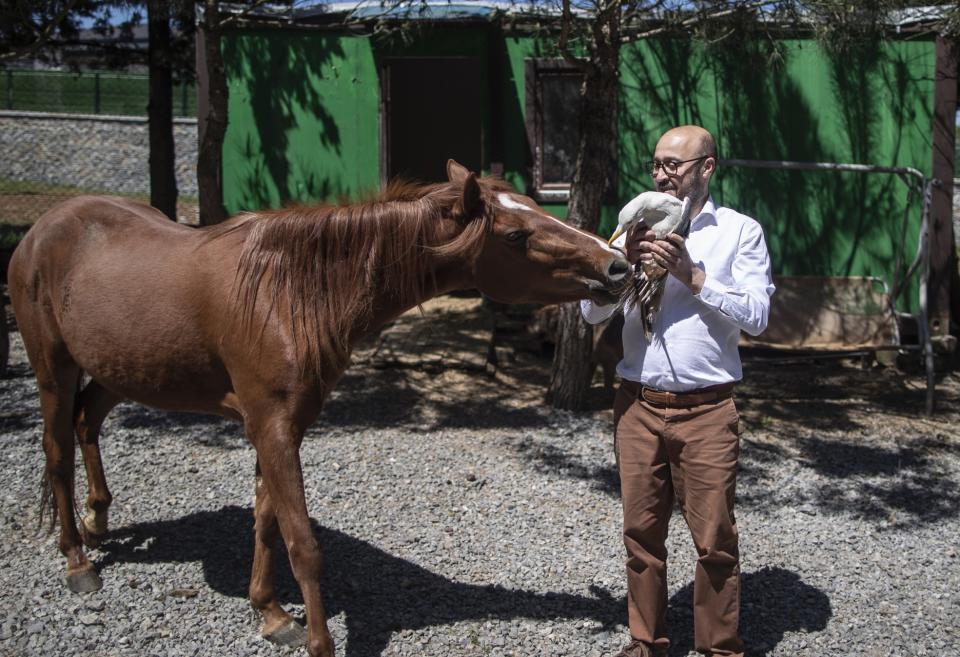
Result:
x=693 y=152
x=690 y=141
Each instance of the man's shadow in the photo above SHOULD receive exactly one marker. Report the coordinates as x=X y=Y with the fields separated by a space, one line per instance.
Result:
x=773 y=601
x=379 y=593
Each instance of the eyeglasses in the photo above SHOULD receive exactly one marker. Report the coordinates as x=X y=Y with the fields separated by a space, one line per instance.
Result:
x=670 y=166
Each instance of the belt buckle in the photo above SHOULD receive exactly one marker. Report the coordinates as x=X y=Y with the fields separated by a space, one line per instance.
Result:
x=659 y=397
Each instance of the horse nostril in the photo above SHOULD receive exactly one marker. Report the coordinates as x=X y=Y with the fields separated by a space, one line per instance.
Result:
x=618 y=268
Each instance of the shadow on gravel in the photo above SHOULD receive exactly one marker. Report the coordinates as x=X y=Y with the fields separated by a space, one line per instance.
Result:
x=904 y=485
x=773 y=601
x=210 y=430
x=550 y=459
x=827 y=395
x=17 y=371
x=16 y=421
x=388 y=399
x=379 y=593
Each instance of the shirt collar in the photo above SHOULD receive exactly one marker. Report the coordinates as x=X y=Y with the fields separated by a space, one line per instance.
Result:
x=709 y=210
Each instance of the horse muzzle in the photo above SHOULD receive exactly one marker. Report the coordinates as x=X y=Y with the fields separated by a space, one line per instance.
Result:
x=605 y=294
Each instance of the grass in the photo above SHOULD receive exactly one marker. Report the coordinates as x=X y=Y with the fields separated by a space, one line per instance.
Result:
x=11 y=235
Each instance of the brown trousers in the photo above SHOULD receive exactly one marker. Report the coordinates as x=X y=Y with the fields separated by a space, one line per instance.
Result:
x=667 y=450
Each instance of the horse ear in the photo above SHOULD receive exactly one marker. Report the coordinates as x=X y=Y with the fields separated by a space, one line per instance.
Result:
x=456 y=172
x=470 y=201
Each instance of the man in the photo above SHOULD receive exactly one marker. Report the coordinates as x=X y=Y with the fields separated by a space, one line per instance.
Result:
x=675 y=423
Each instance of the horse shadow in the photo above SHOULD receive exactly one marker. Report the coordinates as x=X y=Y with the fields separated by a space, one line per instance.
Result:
x=210 y=430
x=773 y=601
x=379 y=593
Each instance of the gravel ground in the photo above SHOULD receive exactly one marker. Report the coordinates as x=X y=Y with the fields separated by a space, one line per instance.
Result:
x=461 y=517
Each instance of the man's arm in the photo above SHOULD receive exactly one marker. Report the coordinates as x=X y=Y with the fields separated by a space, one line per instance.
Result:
x=746 y=303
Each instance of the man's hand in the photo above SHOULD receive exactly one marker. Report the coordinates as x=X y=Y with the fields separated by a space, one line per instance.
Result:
x=671 y=254
x=637 y=238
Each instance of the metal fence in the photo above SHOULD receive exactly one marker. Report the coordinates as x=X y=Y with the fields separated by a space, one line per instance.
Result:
x=90 y=92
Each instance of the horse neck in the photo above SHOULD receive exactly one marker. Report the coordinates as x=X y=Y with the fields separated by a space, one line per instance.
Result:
x=440 y=272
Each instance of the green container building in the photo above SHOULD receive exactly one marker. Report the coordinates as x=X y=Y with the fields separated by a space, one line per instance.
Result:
x=318 y=113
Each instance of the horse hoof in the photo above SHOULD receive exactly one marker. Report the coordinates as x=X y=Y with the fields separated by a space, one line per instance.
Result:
x=84 y=581
x=292 y=634
x=94 y=527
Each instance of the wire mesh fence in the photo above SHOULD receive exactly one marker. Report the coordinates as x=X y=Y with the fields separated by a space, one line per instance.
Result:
x=90 y=92
x=65 y=133
x=48 y=158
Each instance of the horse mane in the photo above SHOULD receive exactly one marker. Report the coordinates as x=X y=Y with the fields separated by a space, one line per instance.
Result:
x=324 y=264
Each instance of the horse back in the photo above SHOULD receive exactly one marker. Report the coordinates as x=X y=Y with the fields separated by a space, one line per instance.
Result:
x=63 y=236
x=129 y=295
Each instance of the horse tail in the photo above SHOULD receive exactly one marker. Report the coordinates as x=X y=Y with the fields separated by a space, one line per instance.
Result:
x=47 y=503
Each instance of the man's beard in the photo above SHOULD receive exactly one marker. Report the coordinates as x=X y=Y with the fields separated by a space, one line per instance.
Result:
x=697 y=190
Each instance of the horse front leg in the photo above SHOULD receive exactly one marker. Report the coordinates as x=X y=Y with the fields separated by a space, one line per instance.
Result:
x=278 y=626
x=277 y=446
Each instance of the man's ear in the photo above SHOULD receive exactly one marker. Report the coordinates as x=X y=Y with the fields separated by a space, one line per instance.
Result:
x=710 y=165
x=456 y=172
x=470 y=201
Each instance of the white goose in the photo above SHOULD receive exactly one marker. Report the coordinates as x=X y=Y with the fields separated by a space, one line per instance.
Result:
x=663 y=214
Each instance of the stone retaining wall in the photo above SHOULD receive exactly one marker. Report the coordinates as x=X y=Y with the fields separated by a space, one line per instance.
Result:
x=106 y=154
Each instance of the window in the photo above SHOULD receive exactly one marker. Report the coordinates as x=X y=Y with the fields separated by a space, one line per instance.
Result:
x=553 y=112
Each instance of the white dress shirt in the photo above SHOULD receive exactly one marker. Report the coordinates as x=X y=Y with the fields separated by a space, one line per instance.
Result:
x=695 y=337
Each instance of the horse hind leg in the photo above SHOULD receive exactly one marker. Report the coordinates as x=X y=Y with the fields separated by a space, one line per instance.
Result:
x=93 y=405
x=58 y=381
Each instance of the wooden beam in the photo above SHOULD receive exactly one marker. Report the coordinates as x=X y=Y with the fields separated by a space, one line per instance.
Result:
x=943 y=260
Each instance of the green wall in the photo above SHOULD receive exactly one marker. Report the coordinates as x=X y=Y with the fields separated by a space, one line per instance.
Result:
x=303 y=118
x=871 y=107
x=304 y=125
x=304 y=109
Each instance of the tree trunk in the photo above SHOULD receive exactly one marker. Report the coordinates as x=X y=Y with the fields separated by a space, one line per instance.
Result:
x=212 y=106
x=163 y=178
x=596 y=160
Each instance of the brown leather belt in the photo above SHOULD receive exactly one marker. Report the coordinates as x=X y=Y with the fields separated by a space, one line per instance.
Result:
x=709 y=395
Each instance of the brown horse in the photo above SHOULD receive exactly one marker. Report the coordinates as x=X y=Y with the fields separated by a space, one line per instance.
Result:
x=254 y=319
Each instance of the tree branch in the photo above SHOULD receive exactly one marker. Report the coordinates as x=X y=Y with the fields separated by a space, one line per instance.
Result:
x=233 y=18
x=563 y=45
x=633 y=10
x=43 y=37
x=694 y=20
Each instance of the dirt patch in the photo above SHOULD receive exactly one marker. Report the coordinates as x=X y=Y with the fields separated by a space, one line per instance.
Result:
x=24 y=208
x=443 y=352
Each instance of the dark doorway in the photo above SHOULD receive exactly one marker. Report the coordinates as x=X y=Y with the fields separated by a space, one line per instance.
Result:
x=431 y=112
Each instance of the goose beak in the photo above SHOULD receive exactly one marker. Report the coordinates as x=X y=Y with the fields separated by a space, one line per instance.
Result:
x=617 y=233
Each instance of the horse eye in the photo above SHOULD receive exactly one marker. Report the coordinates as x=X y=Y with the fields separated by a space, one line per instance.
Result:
x=517 y=236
